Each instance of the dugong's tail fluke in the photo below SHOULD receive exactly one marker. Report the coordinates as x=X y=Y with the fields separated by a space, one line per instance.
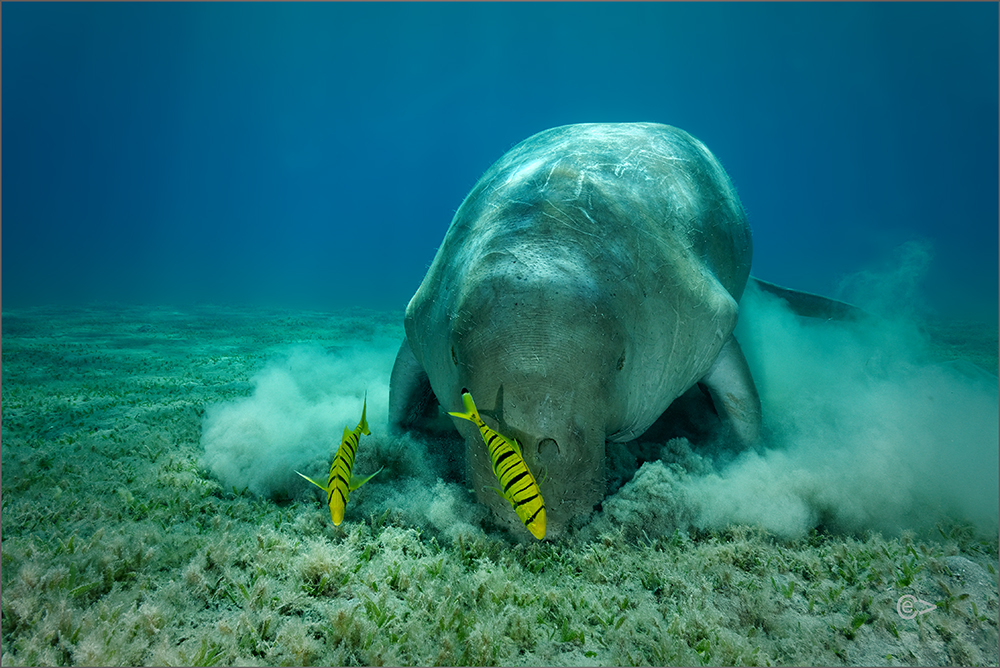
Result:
x=809 y=305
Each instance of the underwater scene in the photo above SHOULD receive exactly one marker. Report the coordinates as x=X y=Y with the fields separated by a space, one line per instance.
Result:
x=331 y=336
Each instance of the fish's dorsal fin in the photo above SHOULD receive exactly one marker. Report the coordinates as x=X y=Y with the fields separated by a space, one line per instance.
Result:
x=357 y=481
x=363 y=425
x=497 y=411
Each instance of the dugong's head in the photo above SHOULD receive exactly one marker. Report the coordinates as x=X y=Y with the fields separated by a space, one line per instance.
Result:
x=541 y=358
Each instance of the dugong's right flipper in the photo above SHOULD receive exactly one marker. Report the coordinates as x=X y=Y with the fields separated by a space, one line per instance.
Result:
x=734 y=394
x=410 y=394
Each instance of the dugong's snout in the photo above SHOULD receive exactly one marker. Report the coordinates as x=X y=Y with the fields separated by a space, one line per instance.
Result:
x=543 y=372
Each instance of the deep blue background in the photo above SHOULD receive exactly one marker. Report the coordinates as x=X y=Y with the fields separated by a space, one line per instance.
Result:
x=314 y=154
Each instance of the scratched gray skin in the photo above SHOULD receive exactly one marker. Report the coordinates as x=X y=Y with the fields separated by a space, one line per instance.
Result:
x=590 y=278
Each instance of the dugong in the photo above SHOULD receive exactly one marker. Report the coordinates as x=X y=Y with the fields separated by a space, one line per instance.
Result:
x=590 y=278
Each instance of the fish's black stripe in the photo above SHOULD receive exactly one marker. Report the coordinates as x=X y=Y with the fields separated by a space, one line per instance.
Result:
x=514 y=480
x=504 y=475
x=532 y=518
x=501 y=457
x=531 y=498
x=499 y=451
x=341 y=495
x=514 y=467
x=529 y=485
x=340 y=472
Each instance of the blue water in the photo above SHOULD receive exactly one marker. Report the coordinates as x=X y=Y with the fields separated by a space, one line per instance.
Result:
x=313 y=154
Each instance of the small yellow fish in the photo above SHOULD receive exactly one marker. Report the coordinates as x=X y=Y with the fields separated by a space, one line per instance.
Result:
x=519 y=486
x=341 y=483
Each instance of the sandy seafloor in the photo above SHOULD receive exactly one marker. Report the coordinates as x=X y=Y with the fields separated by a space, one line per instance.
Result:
x=122 y=547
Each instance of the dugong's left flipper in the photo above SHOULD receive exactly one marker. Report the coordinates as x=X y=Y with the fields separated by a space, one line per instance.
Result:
x=409 y=390
x=734 y=394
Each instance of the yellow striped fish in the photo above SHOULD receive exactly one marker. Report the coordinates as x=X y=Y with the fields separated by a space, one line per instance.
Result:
x=341 y=482
x=519 y=486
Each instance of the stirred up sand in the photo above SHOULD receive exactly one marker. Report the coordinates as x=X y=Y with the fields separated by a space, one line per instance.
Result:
x=152 y=516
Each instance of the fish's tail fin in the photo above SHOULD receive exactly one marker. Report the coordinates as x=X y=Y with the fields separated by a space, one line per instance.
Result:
x=363 y=425
x=470 y=414
x=322 y=487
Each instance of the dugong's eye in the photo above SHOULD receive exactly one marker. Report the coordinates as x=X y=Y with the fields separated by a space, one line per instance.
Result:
x=454 y=357
x=621 y=361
